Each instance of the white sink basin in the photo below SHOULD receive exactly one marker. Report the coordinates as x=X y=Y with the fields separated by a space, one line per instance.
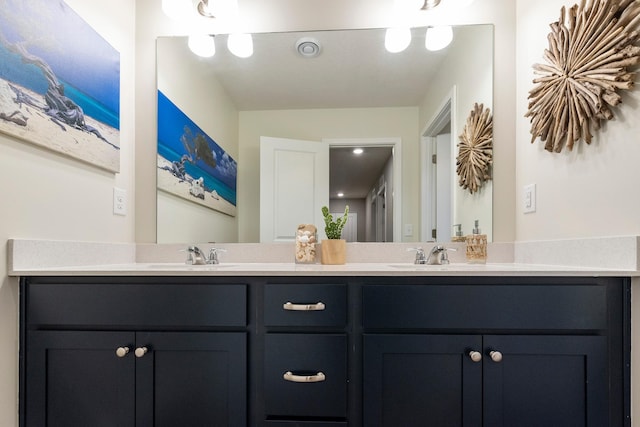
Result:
x=183 y=266
x=433 y=267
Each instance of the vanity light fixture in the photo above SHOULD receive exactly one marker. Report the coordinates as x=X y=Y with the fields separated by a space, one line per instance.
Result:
x=177 y=9
x=240 y=44
x=204 y=9
x=430 y=4
x=397 y=39
x=202 y=45
x=438 y=38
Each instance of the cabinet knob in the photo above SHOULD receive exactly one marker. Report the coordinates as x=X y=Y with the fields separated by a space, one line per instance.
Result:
x=496 y=356
x=141 y=351
x=122 y=351
x=290 y=376
x=476 y=356
x=319 y=306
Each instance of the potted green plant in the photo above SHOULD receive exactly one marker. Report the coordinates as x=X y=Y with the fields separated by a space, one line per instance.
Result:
x=334 y=248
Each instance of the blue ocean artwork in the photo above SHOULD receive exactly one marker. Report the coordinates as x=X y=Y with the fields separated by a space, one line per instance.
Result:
x=192 y=153
x=52 y=60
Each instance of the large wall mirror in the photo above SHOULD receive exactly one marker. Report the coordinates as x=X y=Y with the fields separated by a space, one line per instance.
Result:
x=406 y=108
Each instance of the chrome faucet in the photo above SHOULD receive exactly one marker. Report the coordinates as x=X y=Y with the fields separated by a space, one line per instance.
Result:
x=196 y=257
x=438 y=255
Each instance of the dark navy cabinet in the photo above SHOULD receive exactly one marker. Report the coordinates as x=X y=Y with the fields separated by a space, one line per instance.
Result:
x=108 y=354
x=496 y=353
x=356 y=351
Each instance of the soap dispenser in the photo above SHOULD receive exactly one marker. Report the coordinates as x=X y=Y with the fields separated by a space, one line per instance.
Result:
x=458 y=236
x=476 y=246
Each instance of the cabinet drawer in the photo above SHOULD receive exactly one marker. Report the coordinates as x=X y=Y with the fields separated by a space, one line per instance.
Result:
x=137 y=305
x=310 y=305
x=534 y=307
x=317 y=355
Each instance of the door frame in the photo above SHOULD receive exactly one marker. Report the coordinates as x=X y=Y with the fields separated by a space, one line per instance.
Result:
x=444 y=114
x=396 y=189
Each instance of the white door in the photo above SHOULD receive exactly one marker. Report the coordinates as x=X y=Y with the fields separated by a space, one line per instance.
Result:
x=444 y=227
x=294 y=185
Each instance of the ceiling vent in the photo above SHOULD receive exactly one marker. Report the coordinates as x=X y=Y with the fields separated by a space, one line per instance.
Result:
x=308 y=47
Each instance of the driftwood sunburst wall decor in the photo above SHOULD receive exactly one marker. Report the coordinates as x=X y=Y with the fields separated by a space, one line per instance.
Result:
x=475 y=150
x=591 y=51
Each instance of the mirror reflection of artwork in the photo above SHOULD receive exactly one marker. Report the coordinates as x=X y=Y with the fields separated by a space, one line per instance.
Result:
x=59 y=82
x=190 y=164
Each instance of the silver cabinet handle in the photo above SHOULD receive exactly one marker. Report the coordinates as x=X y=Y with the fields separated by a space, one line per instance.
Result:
x=496 y=356
x=319 y=306
x=141 y=351
x=289 y=376
x=475 y=356
x=122 y=351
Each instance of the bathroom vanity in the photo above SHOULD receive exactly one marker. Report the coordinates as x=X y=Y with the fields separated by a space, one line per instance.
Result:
x=317 y=350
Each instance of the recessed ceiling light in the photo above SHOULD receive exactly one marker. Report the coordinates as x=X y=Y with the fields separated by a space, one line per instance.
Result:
x=358 y=151
x=340 y=194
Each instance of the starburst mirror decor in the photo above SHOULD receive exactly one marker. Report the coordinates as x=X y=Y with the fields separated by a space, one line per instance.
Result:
x=591 y=51
x=475 y=150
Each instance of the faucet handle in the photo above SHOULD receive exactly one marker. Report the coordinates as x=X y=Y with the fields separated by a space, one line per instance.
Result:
x=213 y=255
x=420 y=256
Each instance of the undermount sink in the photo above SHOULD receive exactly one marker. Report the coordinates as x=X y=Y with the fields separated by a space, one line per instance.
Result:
x=184 y=266
x=433 y=266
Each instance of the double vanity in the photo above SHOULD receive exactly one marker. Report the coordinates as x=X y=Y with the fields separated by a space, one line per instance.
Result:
x=362 y=344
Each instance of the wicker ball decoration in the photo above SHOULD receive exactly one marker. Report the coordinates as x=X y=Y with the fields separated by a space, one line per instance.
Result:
x=591 y=50
x=475 y=150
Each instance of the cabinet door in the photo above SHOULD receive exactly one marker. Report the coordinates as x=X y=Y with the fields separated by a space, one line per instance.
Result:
x=422 y=380
x=551 y=381
x=75 y=379
x=191 y=379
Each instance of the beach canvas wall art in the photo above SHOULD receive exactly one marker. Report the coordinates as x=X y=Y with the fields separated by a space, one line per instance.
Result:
x=59 y=82
x=191 y=165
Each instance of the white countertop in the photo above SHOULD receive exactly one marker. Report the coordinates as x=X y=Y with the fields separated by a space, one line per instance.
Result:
x=66 y=258
x=292 y=269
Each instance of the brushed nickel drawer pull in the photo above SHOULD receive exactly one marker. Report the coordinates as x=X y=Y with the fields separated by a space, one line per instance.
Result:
x=319 y=306
x=289 y=376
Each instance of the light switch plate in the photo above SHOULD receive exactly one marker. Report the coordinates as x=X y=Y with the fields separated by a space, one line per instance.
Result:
x=529 y=198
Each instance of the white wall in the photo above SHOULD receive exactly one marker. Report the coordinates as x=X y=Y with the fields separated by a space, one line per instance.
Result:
x=590 y=191
x=48 y=196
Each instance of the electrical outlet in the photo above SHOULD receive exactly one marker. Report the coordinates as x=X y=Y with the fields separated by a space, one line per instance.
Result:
x=408 y=230
x=529 y=198
x=119 y=201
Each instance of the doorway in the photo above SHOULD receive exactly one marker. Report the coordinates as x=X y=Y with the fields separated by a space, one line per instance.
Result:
x=382 y=210
x=437 y=164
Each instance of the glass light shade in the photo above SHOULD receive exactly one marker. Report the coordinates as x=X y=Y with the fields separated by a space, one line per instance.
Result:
x=224 y=8
x=438 y=37
x=408 y=5
x=397 y=39
x=202 y=45
x=240 y=44
x=177 y=9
